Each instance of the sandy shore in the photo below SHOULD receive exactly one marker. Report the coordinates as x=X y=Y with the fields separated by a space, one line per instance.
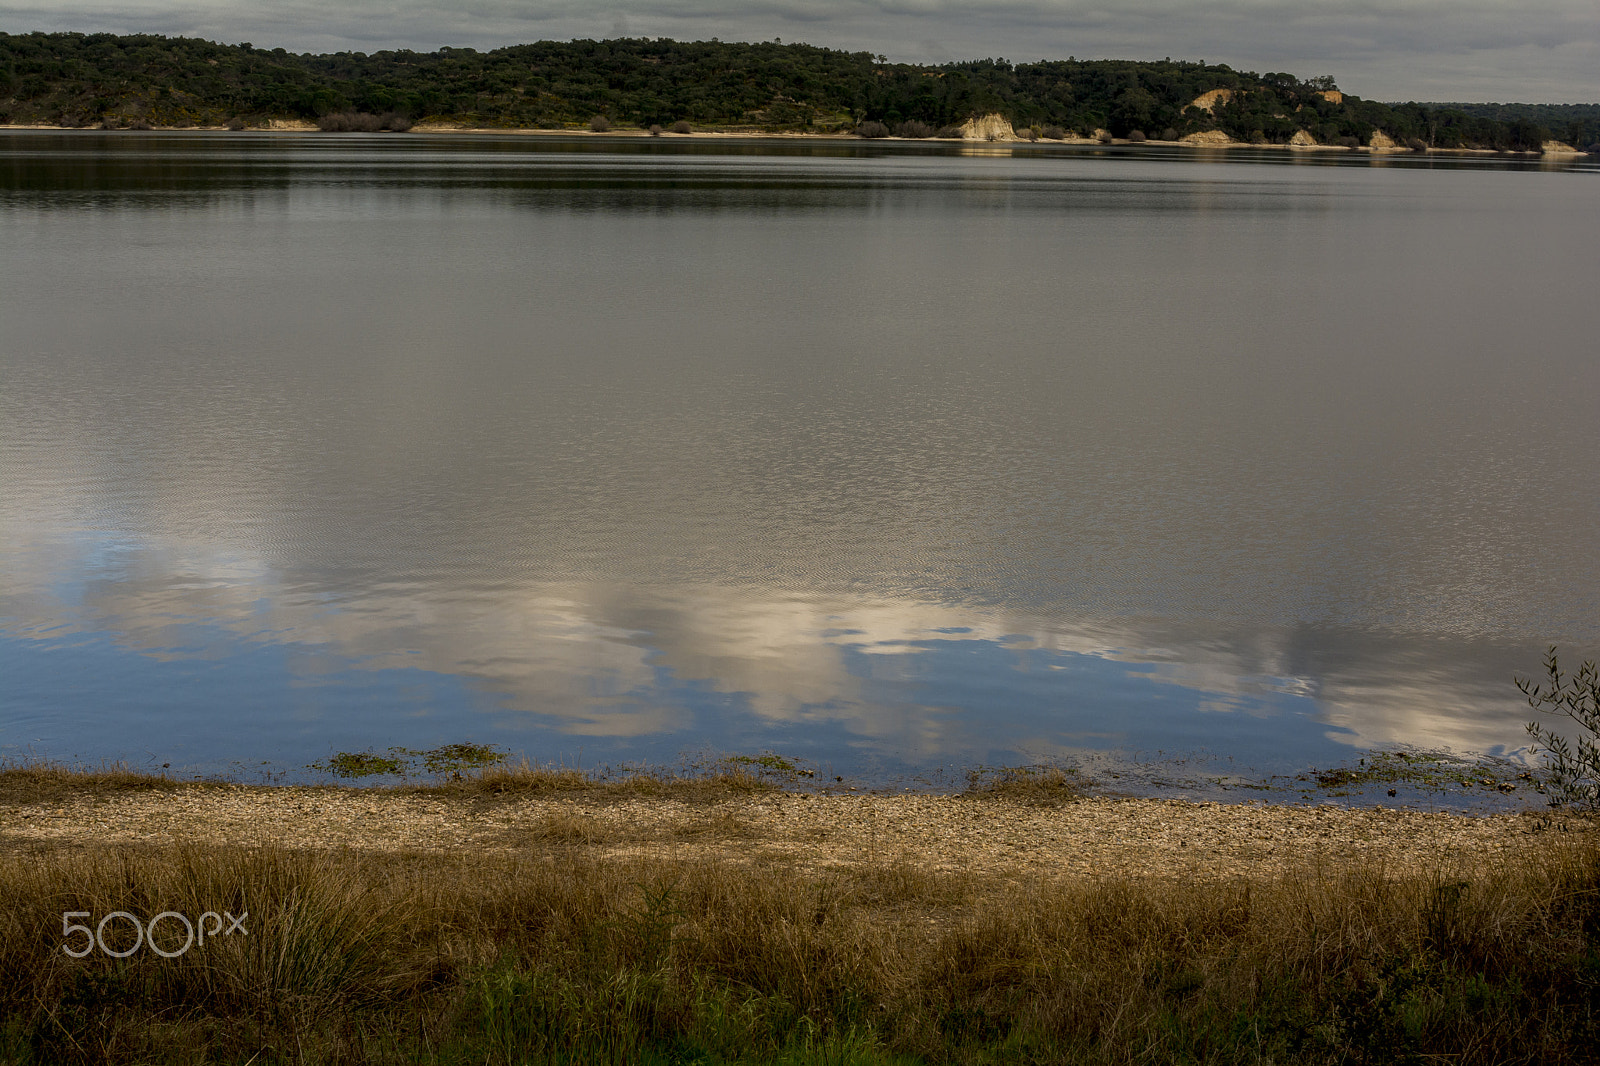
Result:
x=1088 y=837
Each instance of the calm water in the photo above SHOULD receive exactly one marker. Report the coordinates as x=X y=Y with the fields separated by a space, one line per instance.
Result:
x=891 y=457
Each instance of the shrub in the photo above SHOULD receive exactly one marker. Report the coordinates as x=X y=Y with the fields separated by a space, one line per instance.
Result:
x=913 y=129
x=138 y=124
x=599 y=124
x=1136 y=136
x=655 y=130
x=872 y=129
x=1054 y=133
x=1416 y=144
x=363 y=122
x=110 y=123
x=349 y=122
x=1574 y=777
x=1106 y=138
x=1594 y=149
x=681 y=126
x=235 y=123
x=952 y=132
x=1028 y=133
x=1169 y=134
x=1348 y=142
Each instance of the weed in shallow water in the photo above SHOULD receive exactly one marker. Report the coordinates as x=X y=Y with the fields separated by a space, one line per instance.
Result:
x=1042 y=786
x=448 y=760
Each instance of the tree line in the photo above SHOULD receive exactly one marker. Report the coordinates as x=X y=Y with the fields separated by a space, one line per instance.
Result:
x=76 y=79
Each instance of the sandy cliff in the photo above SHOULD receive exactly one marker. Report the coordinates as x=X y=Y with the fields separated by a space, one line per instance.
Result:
x=1207 y=138
x=1209 y=101
x=991 y=127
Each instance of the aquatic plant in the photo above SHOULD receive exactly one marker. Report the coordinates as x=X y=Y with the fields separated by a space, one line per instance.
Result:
x=447 y=761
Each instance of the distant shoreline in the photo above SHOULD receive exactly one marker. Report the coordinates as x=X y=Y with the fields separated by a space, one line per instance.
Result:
x=758 y=134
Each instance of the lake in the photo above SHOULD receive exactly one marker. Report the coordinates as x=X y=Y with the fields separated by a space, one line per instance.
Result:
x=900 y=458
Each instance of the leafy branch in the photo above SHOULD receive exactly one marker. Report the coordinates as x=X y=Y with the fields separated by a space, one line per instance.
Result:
x=1573 y=776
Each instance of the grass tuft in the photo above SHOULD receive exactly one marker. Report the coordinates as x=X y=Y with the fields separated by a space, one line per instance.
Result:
x=1038 y=786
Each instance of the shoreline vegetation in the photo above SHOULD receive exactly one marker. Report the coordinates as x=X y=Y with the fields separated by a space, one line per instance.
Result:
x=514 y=914
x=664 y=88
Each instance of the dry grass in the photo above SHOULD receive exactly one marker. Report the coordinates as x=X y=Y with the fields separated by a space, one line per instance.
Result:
x=50 y=782
x=556 y=954
x=566 y=827
x=568 y=940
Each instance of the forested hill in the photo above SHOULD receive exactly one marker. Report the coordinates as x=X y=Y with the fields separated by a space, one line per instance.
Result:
x=92 y=79
x=1562 y=117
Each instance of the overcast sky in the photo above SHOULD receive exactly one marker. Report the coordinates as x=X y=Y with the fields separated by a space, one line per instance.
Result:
x=1480 y=50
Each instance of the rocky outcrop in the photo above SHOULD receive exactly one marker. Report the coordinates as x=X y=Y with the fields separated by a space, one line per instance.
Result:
x=1558 y=148
x=1302 y=139
x=1380 y=141
x=1205 y=138
x=1333 y=96
x=990 y=127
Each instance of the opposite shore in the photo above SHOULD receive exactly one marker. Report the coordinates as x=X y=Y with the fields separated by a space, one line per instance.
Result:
x=757 y=133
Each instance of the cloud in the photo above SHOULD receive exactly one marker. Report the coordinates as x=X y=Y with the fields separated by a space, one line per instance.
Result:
x=1381 y=49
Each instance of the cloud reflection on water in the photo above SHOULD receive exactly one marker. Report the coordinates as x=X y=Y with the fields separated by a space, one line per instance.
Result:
x=591 y=659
